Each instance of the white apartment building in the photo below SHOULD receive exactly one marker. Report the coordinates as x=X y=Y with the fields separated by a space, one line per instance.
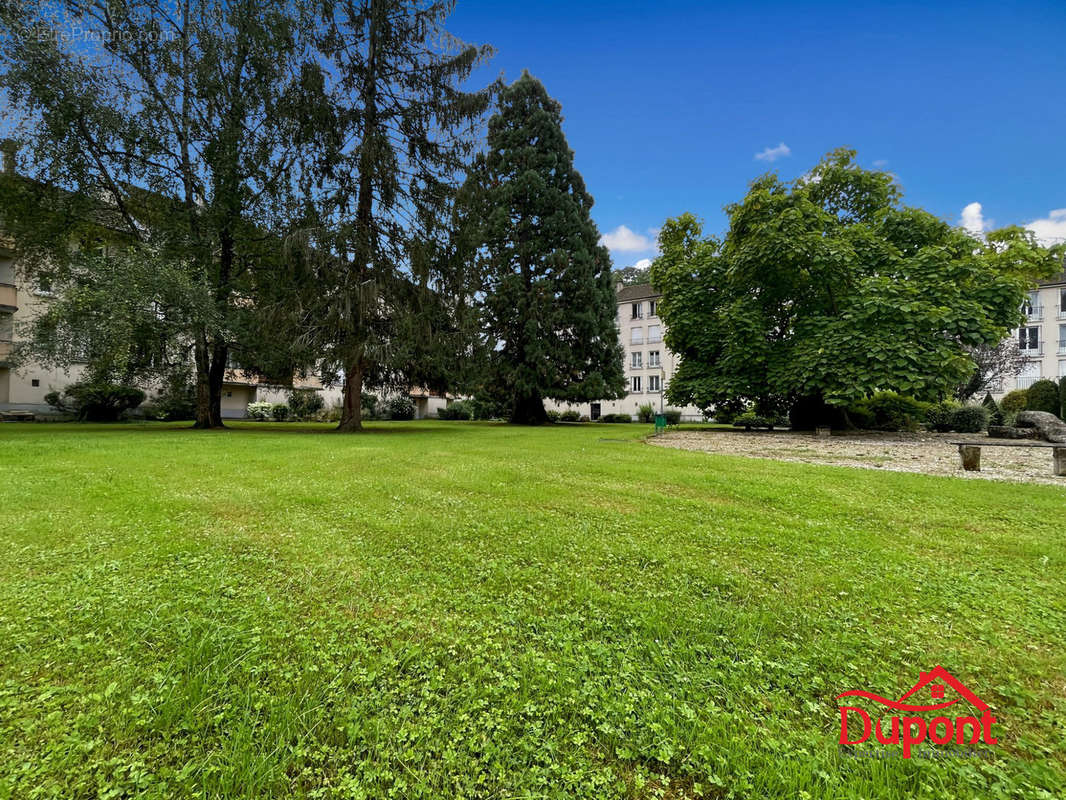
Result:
x=649 y=365
x=1042 y=339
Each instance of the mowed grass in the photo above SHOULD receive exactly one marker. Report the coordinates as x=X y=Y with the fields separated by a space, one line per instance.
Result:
x=445 y=610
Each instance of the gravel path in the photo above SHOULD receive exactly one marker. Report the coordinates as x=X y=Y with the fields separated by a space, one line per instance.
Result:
x=928 y=453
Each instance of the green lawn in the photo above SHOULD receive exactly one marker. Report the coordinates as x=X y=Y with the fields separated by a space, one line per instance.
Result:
x=447 y=610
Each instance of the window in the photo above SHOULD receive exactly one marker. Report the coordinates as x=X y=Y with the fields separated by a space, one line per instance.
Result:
x=653 y=308
x=1031 y=307
x=653 y=383
x=1029 y=338
x=634 y=384
x=653 y=334
x=638 y=311
x=7 y=270
x=44 y=284
x=1030 y=374
x=636 y=336
x=637 y=358
x=35 y=382
x=1062 y=338
x=1062 y=302
x=653 y=358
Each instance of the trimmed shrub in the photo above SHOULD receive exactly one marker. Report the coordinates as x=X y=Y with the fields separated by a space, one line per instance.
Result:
x=673 y=416
x=553 y=415
x=305 y=403
x=1044 y=396
x=890 y=411
x=616 y=418
x=749 y=420
x=1015 y=402
x=280 y=412
x=570 y=415
x=260 y=411
x=485 y=407
x=455 y=410
x=646 y=413
x=369 y=405
x=969 y=419
x=584 y=418
x=995 y=414
x=400 y=407
x=96 y=402
x=940 y=417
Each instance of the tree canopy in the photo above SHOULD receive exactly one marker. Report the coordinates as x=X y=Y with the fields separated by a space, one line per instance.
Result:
x=827 y=289
x=549 y=306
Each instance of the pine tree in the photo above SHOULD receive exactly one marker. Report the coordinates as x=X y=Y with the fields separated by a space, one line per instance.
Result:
x=549 y=308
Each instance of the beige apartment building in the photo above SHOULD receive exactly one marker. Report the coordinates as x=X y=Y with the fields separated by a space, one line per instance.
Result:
x=1042 y=339
x=23 y=389
x=649 y=365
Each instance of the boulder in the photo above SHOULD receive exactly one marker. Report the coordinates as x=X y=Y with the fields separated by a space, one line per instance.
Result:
x=1051 y=427
x=1007 y=432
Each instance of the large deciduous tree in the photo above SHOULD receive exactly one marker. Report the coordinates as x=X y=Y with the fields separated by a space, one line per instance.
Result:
x=171 y=126
x=827 y=289
x=549 y=305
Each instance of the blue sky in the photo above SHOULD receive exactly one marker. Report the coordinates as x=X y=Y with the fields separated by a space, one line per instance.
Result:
x=667 y=104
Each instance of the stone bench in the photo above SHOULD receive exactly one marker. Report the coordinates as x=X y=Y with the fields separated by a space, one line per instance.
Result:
x=970 y=454
x=17 y=416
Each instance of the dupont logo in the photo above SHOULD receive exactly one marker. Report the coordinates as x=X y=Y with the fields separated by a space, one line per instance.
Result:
x=856 y=724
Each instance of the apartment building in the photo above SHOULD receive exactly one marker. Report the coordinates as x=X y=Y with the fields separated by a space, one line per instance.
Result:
x=649 y=365
x=1042 y=338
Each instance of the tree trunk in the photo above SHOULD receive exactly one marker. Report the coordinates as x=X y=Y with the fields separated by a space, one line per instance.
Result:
x=352 y=409
x=529 y=409
x=209 y=384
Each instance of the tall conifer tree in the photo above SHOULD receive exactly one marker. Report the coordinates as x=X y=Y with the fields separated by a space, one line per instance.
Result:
x=549 y=308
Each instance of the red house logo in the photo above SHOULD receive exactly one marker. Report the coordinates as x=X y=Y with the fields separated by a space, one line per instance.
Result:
x=911 y=730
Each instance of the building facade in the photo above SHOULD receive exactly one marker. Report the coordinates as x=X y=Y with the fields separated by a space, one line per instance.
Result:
x=1042 y=338
x=24 y=388
x=649 y=365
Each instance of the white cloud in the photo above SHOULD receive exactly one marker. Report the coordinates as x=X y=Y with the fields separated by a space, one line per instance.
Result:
x=644 y=263
x=1051 y=229
x=973 y=219
x=624 y=240
x=771 y=154
x=881 y=163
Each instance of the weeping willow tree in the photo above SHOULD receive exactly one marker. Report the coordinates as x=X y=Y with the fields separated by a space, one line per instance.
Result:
x=378 y=302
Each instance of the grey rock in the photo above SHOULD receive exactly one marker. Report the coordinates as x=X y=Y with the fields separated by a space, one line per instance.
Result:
x=1051 y=428
x=1007 y=432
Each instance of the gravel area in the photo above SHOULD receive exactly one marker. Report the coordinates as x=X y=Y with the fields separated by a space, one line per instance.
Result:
x=928 y=453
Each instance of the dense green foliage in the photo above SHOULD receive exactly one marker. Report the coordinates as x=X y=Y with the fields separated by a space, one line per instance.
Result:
x=888 y=411
x=438 y=618
x=673 y=416
x=458 y=410
x=970 y=419
x=92 y=401
x=1015 y=401
x=400 y=407
x=549 y=308
x=305 y=404
x=615 y=418
x=1043 y=395
x=570 y=415
x=828 y=290
x=995 y=413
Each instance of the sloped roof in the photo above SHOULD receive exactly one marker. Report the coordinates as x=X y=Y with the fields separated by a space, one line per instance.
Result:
x=638 y=291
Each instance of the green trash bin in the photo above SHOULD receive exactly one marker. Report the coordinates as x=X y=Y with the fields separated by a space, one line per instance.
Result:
x=660 y=423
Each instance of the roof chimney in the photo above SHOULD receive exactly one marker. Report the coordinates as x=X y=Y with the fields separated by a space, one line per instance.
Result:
x=10 y=148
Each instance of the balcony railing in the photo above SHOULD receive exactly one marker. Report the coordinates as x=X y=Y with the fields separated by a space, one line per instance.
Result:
x=1034 y=313
x=1061 y=314
x=8 y=297
x=1025 y=381
x=1032 y=352
x=1062 y=346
